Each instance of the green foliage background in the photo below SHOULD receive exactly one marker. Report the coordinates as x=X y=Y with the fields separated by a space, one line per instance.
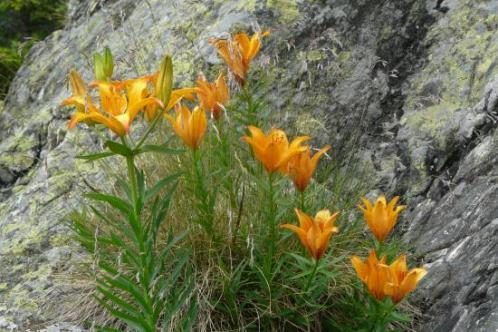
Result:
x=22 y=23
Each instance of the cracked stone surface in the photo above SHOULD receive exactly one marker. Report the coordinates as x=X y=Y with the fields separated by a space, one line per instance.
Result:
x=418 y=86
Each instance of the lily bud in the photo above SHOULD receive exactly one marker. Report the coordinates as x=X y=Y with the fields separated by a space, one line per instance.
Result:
x=103 y=65
x=164 y=83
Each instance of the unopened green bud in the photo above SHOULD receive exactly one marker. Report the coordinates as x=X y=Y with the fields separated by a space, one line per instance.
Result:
x=103 y=65
x=164 y=83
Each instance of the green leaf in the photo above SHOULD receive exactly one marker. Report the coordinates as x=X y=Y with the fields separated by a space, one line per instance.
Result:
x=160 y=185
x=163 y=209
x=120 y=282
x=118 y=148
x=177 y=299
x=172 y=241
x=159 y=149
x=108 y=295
x=84 y=234
x=116 y=202
x=133 y=257
x=123 y=227
x=135 y=322
x=190 y=316
x=395 y=316
x=302 y=261
x=95 y=156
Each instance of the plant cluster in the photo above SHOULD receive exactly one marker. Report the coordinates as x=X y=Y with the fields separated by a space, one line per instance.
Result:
x=205 y=246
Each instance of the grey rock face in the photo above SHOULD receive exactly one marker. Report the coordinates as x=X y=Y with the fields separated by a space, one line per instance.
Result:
x=456 y=225
x=412 y=89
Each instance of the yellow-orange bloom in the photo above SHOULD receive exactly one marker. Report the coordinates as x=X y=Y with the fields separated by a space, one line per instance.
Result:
x=239 y=51
x=301 y=167
x=124 y=107
x=382 y=216
x=189 y=126
x=402 y=281
x=213 y=96
x=120 y=102
x=314 y=233
x=274 y=150
x=384 y=280
x=176 y=96
x=374 y=274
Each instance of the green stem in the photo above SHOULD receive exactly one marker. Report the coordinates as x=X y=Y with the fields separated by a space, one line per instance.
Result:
x=132 y=176
x=382 y=314
x=271 y=223
x=194 y=170
x=150 y=129
x=312 y=275
x=144 y=264
x=250 y=107
x=205 y=213
x=219 y=126
x=302 y=202
x=379 y=248
x=194 y=180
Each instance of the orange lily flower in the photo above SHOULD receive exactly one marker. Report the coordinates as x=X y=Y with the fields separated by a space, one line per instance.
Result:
x=189 y=126
x=382 y=216
x=119 y=108
x=375 y=274
x=314 y=233
x=86 y=110
x=274 y=150
x=239 y=51
x=302 y=166
x=176 y=96
x=384 y=280
x=402 y=281
x=213 y=96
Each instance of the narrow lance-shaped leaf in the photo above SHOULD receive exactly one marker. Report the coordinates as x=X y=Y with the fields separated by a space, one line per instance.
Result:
x=119 y=148
x=95 y=156
x=123 y=304
x=190 y=316
x=160 y=185
x=120 y=282
x=116 y=202
x=137 y=323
